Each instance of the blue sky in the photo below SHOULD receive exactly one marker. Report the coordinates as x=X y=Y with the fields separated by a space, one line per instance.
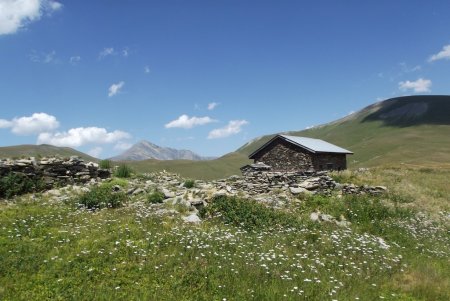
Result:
x=207 y=76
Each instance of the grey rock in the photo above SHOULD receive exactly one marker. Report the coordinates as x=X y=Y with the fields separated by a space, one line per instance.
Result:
x=138 y=191
x=314 y=216
x=192 y=218
x=297 y=190
x=167 y=193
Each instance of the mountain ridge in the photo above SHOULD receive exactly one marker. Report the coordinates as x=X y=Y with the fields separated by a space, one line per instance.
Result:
x=42 y=150
x=145 y=150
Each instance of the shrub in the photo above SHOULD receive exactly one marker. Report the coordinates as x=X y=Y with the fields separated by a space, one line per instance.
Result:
x=155 y=197
x=247 y=213
x=123 y=171
x=105 y=164
x=102 y=197
x=189 y=183
x=117 y=181
x=16 y=184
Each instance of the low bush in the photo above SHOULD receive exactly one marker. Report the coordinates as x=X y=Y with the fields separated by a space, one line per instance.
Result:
x=155 y=197
x=102 y=197
x=247 y=213
x=117 y=181
x=189 y=183
x=123 y=171
x=16 y=184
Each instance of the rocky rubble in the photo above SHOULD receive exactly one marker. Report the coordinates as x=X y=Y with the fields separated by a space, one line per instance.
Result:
x=275 y=189
x=55 y=170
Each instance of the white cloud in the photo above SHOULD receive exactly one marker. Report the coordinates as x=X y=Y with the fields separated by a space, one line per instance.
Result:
x=106 y=51
x=146 y=69
x=4 y=124
x=34 y=124
x=16 y=14
x=95 y=152
x=125 y=52
x=121 y=146
x=233 y=127
x=44 y=57
x=83 y=135
x=115 y=88
x=186 y=122
x=441 y=55
x=212 y=105
x=75 y=59
x=420 y=85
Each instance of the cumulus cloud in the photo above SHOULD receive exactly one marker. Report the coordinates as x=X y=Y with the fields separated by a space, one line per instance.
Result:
x=121 y=146
x=106 y=51
x=186 y=122
x=444 y=54
x=212 y=105
x=16 y=14
x=44 y=57
x=75 y=59
x=418 y=86
x=115 y=88
x=83 y=135
x=5 y=124
x=95 y=152
x=34 y=124
x=232 y=128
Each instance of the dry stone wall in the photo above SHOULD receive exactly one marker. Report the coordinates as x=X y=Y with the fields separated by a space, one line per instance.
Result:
x=55 y=170
x=283 y=156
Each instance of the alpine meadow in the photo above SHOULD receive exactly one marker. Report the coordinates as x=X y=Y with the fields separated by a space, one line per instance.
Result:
x=226 y=150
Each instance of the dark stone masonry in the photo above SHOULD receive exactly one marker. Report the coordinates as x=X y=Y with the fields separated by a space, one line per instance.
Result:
x=282 y=154
x=55 y=170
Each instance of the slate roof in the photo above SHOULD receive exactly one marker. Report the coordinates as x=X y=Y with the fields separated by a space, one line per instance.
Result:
x=310 y=144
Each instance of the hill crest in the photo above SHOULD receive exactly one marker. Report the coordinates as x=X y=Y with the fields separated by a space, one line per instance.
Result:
x=144 y=150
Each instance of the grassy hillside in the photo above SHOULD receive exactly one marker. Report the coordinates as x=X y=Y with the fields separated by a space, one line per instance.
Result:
x=212 y=169
x=43 y=150
x=411 y=130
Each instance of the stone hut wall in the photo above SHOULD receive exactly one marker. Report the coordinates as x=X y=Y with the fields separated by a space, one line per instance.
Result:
x=329 y=161
x=284 y=156
x=55 y=170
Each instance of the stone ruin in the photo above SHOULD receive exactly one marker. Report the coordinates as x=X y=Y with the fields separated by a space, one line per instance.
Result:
x=55 y=170
x=258 y=178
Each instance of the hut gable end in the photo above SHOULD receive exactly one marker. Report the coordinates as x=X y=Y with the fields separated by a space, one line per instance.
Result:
x=284 y=156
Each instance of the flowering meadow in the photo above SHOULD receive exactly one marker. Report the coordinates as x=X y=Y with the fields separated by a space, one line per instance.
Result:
x=55 y=250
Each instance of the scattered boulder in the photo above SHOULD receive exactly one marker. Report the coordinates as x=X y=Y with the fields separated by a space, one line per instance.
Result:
x=298 y=190
x=192 y=218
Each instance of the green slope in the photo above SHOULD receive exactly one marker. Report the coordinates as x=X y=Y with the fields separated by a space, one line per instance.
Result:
x=412 y=130
x=43 y=150
x=211 y=169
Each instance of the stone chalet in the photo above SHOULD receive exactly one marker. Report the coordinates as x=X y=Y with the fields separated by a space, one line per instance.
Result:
x=293 y=154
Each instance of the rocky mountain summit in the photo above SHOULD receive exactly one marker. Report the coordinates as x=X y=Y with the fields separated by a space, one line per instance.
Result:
x=145 y=150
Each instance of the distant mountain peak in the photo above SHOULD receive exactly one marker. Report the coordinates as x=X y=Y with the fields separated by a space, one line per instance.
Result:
x=144 y=150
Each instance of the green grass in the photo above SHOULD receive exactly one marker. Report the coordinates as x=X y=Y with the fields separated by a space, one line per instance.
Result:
x=222 y=167
x=123 y=171
x=243 y=251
